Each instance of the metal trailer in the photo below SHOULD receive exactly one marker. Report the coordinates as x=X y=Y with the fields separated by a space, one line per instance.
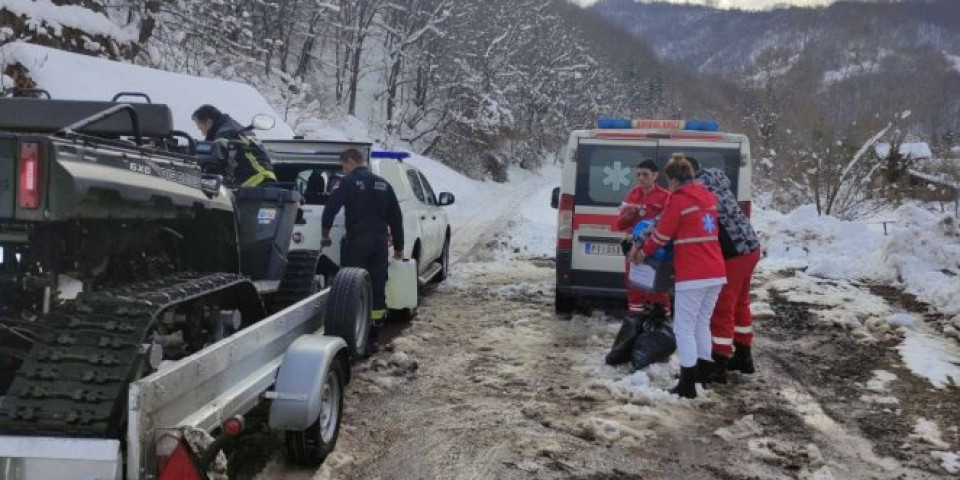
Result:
x=285 y=359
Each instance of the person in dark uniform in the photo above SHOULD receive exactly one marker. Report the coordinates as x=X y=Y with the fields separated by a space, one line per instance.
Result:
x=253 y=166
x=372 y=210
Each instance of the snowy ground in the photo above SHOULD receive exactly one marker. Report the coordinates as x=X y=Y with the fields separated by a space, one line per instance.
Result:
x=857 y=378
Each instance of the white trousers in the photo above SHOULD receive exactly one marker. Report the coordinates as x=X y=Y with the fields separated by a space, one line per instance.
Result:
x=691 y=323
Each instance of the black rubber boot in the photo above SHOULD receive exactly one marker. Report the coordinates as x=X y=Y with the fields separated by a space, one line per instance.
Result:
x=719 y=373
x=372 y=340
x=687 y=388
x=742 y=361
x=704 y=371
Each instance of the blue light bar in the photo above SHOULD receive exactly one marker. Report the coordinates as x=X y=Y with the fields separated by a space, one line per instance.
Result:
x=399 y=156
x=614 y=123
x=702 y=125
x=626 y=123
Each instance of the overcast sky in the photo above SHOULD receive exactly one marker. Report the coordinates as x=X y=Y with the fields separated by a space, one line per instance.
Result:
x=744 y=4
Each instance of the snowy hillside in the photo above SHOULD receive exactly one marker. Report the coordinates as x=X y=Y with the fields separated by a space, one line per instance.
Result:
x=726 y=41
x=852 y=55
x=79 y=77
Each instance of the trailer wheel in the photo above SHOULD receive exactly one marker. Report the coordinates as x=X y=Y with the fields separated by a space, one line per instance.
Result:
x=348 y=309
x=310 y=447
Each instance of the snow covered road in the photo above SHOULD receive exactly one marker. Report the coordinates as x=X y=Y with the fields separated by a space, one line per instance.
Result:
x=856 y=380
x=489 y=383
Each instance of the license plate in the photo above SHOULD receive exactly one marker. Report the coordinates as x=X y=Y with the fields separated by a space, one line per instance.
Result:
x=599 y=248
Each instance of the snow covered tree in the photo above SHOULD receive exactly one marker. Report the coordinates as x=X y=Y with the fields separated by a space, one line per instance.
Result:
x=81 y=26
x=410 y=33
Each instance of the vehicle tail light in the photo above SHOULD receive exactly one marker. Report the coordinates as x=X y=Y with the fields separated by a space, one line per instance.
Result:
x=29 y=187
x=565 y=223
x=233 y=426
x=747 y=208
x=180 y=465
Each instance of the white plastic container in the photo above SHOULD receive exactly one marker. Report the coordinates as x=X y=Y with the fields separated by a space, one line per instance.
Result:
x=402 y=284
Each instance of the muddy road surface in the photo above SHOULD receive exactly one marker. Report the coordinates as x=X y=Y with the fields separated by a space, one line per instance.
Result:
x=488 y=383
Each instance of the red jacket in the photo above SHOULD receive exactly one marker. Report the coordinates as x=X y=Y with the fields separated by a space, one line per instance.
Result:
x=690 y=220
x=652 y=204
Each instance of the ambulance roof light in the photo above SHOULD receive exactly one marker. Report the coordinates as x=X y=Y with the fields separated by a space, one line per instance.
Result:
x=626 y=123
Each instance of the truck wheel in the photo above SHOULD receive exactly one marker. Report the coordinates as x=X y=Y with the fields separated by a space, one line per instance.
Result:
x=444 y=262
x=311 y=446
x=348 y=309
x=564 y=303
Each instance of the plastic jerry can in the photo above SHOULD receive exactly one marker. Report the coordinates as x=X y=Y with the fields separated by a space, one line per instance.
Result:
x=402 y=284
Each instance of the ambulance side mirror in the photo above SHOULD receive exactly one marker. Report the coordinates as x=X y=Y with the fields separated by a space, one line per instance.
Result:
x=555 y=198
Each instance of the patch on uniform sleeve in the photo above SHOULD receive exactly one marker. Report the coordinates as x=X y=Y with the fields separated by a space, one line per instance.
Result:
x=709 y=224
x=381 y=186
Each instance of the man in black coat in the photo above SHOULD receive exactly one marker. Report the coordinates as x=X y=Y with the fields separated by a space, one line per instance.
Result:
x=372 y=213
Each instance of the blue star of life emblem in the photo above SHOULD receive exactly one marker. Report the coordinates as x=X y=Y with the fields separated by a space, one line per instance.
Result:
x=709 y=224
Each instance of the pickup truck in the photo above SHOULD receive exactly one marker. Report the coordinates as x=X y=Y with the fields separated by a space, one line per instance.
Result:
x=313 y=168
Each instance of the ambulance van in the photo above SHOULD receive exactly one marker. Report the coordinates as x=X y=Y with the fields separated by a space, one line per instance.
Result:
x=598 y=171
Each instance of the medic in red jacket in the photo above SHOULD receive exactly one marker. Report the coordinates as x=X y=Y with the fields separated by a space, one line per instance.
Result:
x=690 y=220
x=643 y=202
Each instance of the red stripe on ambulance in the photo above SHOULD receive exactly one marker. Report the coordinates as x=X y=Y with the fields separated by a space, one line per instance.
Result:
x=580 y=219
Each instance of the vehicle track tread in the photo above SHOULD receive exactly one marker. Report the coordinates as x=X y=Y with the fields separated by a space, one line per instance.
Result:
x=74 y=377
x=299 y=280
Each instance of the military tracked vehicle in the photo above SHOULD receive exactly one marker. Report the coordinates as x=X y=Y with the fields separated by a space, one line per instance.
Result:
x=127 y=268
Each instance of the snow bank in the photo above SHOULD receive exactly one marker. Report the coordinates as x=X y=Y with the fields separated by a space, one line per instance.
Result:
x=79 y=77
x=44 y=15
x=931 y=357
x=825 y=246
x=922 y=253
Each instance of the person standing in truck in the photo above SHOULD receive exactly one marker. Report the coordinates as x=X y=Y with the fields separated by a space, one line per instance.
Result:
x=253 y=166
x=372 y=217
x=644 y=202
